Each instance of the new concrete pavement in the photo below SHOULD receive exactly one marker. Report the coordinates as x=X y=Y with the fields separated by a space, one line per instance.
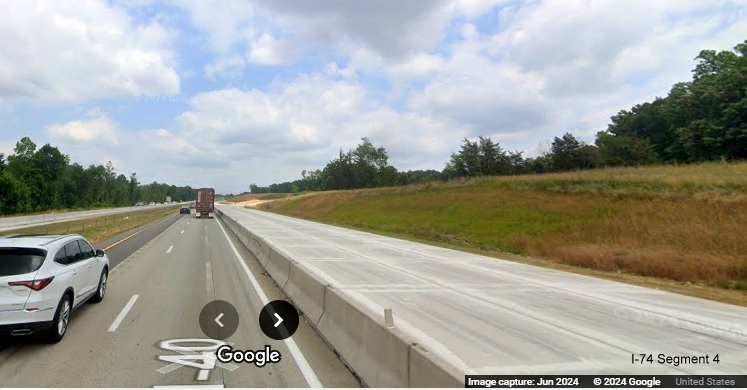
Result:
x=487 y=316
x=155 y=297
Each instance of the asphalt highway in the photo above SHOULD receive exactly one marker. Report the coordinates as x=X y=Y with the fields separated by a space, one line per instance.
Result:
x=144 y=332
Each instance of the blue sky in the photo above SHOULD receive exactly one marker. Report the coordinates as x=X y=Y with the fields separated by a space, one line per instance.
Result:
x=237 y=92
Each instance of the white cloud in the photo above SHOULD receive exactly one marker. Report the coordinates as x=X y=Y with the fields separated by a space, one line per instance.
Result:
x=225 y=24
x=416 y=77
x=225 y=67
x=268 y=50
x=553 y=66
x=233 y=137
x=70 y=51
x=97 y=131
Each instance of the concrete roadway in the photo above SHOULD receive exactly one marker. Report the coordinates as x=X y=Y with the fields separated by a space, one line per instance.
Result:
x=178 y=267
x=488 y=316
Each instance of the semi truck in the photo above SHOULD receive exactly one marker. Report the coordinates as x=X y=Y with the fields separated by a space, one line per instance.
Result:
x=205 y=203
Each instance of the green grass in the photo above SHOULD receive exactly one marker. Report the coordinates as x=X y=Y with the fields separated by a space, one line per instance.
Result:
x=685 y=224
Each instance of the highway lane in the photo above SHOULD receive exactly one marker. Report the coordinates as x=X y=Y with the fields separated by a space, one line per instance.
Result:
x=489 y=316
x=123 y=245
x=161 y=289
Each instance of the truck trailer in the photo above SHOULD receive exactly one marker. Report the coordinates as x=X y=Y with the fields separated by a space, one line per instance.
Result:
x=205 y=203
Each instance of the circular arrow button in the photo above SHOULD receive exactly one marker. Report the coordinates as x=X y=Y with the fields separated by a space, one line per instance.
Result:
x=219 y=320
x=278 y=320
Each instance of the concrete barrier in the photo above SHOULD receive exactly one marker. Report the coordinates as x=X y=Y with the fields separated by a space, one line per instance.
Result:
x=306 y=290
x=429 y=370
x=278 y=266
x=379 y=356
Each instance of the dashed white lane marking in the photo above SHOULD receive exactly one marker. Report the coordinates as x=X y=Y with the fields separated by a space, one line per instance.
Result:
x=182 y=232
x=169 y=250
x=123 y=313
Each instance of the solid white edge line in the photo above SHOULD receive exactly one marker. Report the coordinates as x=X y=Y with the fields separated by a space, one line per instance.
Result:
x=169 y=250
x=123 y=313
x=301 y=362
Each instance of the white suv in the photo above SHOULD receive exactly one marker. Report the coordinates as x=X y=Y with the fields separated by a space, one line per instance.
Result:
x=43 y=278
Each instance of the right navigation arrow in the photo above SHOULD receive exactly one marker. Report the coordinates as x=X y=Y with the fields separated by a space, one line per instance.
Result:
x=279 y=319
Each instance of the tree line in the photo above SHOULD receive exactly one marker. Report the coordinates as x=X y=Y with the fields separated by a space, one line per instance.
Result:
x=704 y=119
x=33 y=180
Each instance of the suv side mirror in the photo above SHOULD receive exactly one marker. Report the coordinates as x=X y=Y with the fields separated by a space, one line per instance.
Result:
x=100 y=253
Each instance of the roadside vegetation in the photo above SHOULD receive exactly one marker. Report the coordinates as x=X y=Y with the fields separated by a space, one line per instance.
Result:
x=680 y=223
x=101 y=228
x=701 y=120
x=37 y=180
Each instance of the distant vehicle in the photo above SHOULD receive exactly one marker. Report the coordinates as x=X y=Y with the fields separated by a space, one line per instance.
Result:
x=185 y=210
x=139 y=204
x=192 y=205
x=43 y=278
x=205 y=203
x=158 y=204
x=152 y=204
x=168 y=199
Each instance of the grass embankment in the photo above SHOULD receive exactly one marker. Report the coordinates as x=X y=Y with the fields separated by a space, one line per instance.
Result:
x=98 y=229
x=686 y=224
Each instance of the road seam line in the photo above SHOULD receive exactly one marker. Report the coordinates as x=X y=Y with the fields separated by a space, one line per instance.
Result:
x=123 y=313
x=301 y=362
x=209 y=276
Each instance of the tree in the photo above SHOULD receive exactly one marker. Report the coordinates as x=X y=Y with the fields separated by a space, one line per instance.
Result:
x=134 y=189
x=483 y=157
x=338 y=173
x=700 y=120
x=624 y=150
x=49 y=164
x=15 y=196
x=566 y=153
x=19 y=163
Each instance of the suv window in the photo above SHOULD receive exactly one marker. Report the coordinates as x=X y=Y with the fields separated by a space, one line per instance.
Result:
x=18 y=261
x=86 y=250
x=73 y=252
x=61 y=257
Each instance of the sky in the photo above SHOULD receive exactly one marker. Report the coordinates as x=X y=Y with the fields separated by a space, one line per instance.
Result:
x=226 y=94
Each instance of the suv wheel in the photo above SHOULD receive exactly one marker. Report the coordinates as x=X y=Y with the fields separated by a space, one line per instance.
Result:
x=61 y=319
x=101 y=291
